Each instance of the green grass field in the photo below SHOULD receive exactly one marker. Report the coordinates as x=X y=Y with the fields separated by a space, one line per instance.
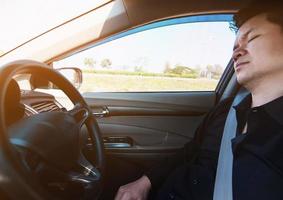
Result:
x=130 y=83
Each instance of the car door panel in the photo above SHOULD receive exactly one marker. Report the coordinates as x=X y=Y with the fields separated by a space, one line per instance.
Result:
x=151 y=130
x=165 y=120
x=152 y=127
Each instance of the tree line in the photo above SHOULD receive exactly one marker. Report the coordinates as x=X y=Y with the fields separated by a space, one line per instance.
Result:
x=210 y=71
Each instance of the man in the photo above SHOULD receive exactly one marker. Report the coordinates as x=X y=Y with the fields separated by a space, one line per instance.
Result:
x=258 y=146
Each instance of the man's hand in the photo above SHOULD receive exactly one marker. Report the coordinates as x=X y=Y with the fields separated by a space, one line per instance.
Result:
x=137 y=190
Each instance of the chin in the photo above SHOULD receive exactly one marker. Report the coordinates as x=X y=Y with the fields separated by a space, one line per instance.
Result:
x=242 y=80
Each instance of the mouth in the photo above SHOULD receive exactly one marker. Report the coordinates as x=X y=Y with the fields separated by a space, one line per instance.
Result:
x=239 y=65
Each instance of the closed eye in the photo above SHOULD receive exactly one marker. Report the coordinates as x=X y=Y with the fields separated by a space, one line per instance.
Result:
x=256 y=36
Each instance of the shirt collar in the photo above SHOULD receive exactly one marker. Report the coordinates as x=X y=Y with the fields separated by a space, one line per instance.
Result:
x=242 y=110
x=244 y=105
x=274 y=108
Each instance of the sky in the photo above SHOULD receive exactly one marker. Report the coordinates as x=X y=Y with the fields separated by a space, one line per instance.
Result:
x=191 y=45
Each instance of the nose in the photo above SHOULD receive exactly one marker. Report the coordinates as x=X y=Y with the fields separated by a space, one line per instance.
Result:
x=239 y=48
x=239 y=52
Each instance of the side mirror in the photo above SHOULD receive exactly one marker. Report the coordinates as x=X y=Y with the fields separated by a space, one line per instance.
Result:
x=73 y=74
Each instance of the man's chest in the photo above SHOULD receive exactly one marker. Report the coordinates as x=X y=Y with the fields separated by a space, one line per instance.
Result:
x=263 y=137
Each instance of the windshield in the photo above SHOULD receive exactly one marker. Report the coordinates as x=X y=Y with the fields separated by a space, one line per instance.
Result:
x=21 y=21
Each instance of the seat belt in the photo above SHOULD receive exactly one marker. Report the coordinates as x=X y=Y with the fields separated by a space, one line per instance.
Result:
x=223 y=188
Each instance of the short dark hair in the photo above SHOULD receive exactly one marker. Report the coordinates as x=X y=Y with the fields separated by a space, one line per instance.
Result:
x=272 y=8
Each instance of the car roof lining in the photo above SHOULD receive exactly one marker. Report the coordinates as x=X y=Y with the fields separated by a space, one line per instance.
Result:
x=140 y=12
x=125 y=15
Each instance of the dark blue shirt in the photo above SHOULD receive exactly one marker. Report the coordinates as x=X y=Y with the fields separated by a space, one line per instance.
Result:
x=258 y=155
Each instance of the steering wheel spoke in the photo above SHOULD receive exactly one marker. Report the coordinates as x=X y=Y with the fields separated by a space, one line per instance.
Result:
x=86 y=176
x=80 y=113
x=88 y=169
x=30 y=159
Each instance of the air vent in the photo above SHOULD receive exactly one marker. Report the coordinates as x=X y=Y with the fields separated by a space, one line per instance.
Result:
x=29 y=111
x=46 y=106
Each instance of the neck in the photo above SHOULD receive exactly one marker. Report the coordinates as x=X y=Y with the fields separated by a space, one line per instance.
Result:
x=265 y=92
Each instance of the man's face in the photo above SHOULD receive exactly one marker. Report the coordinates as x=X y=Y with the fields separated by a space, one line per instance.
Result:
x=258 y=51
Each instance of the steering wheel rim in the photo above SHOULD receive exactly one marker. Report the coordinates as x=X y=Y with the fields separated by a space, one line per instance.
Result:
x=13 y=167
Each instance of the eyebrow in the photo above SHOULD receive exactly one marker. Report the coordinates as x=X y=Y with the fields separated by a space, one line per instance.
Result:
x=244 y=35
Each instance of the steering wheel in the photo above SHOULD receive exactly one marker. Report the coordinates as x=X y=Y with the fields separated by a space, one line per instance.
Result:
x=48 y=146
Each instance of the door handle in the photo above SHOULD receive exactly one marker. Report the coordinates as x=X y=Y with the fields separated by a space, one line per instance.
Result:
x=101 y=113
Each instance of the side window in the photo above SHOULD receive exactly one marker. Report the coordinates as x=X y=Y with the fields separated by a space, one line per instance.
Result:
x=173 y=55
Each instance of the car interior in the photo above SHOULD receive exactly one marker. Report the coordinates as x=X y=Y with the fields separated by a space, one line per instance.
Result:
x=106 y=139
